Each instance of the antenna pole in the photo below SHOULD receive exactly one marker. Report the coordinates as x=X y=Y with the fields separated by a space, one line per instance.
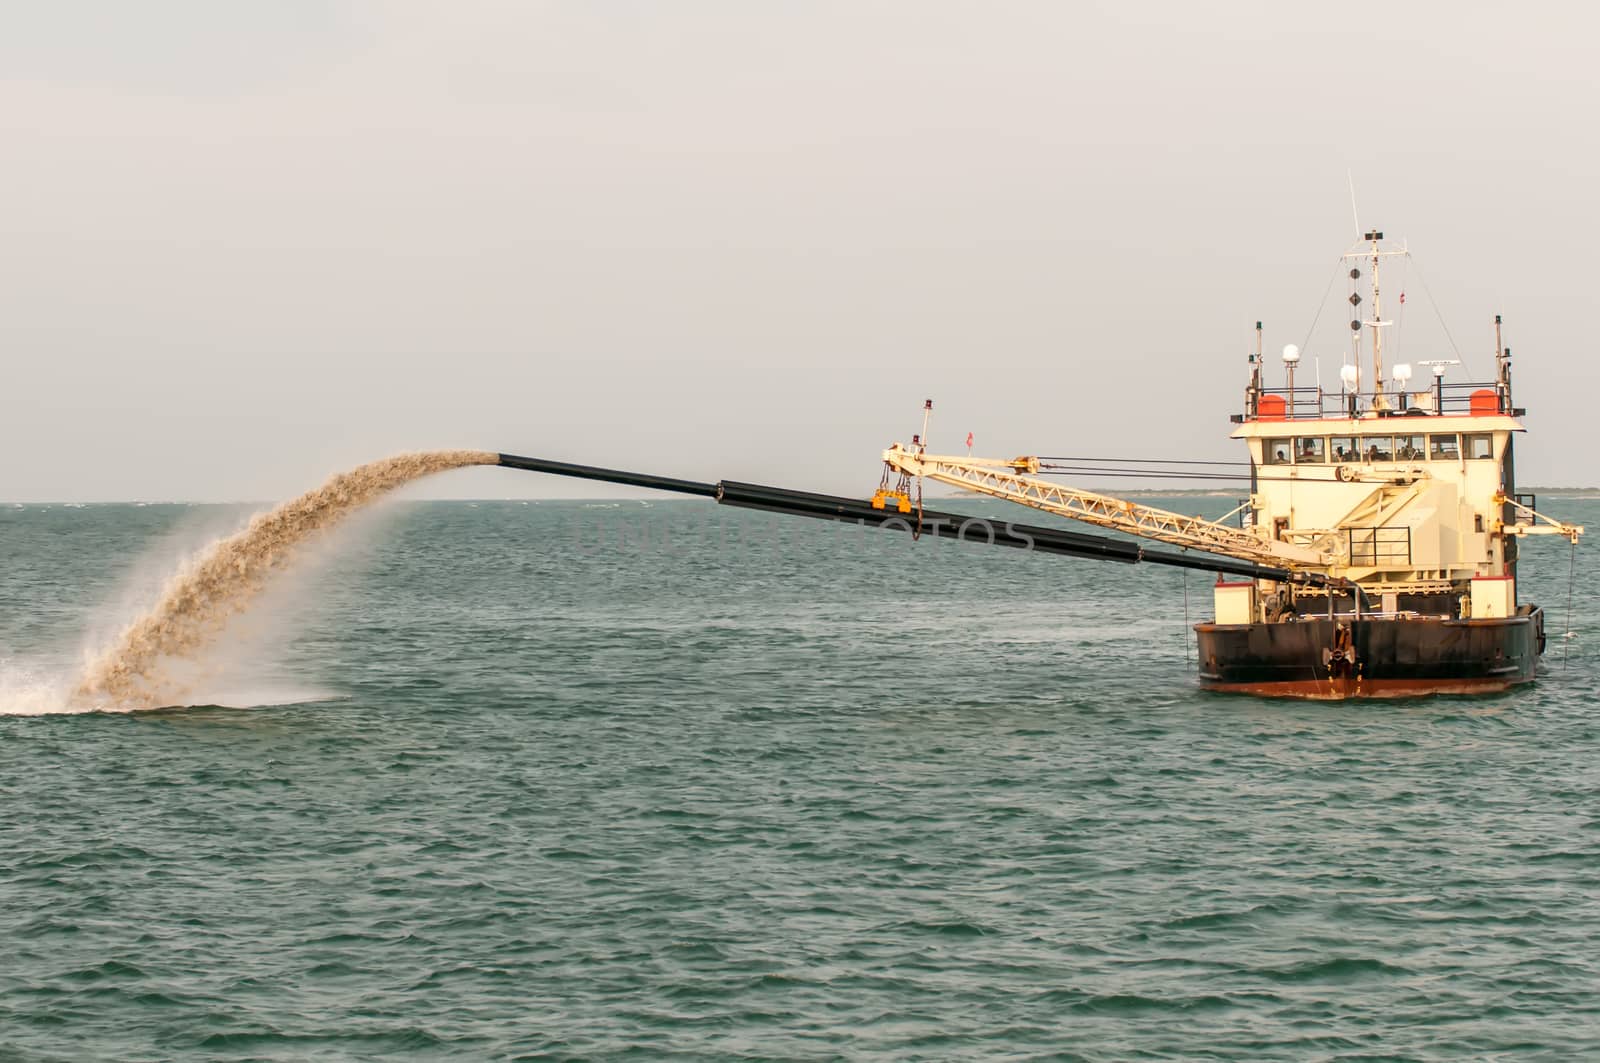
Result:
x=1377 y=319
x=1502 y=358
x=1252 y=393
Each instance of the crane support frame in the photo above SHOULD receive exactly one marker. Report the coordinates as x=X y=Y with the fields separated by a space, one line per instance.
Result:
x=1551 y=526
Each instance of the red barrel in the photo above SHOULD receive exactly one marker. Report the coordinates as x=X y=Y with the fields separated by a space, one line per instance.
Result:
x=1485 y=402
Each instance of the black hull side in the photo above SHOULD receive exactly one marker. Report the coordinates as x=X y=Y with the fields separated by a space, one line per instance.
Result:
x=1380 y=657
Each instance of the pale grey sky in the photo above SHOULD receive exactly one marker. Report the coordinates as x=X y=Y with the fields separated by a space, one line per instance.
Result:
x=249 y=244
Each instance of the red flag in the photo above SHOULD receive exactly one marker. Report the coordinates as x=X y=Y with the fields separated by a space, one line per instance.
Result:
x=969 y=440
x=1402 y=298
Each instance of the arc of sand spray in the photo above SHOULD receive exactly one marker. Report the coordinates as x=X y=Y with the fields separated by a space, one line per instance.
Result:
x=222 y=582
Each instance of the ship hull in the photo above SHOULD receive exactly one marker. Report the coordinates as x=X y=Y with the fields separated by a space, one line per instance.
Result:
x=1384 y=657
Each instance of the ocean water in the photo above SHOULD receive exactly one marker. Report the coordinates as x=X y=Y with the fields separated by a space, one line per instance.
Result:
x=671 y=780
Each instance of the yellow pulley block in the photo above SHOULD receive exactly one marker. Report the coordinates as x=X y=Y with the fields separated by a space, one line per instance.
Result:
x=902 y=501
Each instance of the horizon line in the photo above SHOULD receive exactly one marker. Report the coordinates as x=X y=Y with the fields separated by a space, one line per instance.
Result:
x=663 y=496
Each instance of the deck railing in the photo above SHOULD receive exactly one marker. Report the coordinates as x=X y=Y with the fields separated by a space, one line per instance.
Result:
x=1380 y=547
x=1312 y=403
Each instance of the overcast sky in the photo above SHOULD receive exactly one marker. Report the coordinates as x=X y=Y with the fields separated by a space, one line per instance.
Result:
x=249 y=244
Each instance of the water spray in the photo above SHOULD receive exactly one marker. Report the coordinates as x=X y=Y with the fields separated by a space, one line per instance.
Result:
x=223 y=581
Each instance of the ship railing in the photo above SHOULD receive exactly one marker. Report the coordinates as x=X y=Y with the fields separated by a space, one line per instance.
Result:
x=1379 y=546
x=1467 y=399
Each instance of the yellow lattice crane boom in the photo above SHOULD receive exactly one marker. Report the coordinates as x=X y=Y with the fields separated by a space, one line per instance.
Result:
x=1015 y=481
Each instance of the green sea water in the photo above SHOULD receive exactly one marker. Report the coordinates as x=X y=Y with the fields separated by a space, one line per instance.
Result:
x=588 y=781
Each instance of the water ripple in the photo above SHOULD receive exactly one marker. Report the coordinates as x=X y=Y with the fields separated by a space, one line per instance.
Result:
x=829 y=797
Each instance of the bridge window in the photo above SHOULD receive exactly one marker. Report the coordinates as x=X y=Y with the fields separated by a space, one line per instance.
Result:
x=1444 y=448
x=1479 y=447
x=1277 y=452
x=1343 y=448
x=1409 y=448
x=1309 y=450
x=1379 y=448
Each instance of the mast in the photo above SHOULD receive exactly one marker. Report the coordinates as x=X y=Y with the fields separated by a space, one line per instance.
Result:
x=1352 y=381
x=1502 y=360
x=1252 y=392
x=1377 y=318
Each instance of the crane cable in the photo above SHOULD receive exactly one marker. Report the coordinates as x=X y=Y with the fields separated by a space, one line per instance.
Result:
x=916 y=533
x=1173 y=474
x=1139 y=461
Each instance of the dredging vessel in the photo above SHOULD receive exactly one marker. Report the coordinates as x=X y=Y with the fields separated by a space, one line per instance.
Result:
x=1390 y=514
x=1376 y=554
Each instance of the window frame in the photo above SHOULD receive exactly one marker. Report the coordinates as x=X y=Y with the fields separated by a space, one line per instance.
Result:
x=1385 y=457
x=1319 y=457
x=1455 y=442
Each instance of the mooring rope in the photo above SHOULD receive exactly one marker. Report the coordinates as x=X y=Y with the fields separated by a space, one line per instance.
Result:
x=1186 y=620
x=1566 y=637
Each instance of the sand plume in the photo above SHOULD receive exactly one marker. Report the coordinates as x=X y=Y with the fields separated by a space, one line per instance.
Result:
x=223 y=581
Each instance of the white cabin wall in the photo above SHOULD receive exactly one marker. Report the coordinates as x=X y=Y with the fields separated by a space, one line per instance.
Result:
x=1434 y=519
x=1455 y=501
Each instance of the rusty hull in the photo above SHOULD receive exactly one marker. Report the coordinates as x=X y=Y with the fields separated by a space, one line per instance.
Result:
x=1371 y=657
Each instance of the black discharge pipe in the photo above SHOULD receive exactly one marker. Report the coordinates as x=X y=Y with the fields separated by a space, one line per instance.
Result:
x=614 y=476
x=937 y=523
